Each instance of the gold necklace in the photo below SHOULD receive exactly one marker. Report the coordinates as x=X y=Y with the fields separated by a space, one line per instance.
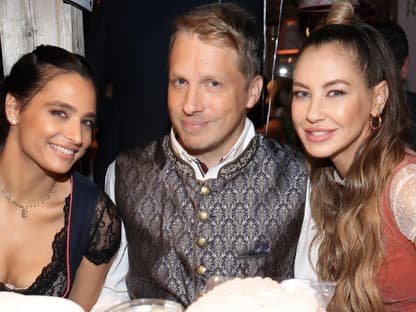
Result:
x=25 y=208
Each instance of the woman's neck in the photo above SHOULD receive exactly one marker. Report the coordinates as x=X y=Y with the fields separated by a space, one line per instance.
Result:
x=21 y=176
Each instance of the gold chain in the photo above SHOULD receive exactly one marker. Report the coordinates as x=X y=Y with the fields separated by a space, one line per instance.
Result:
x=25 y=208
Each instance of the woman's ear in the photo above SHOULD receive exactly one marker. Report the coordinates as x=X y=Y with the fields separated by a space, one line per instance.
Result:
x=12 y=108
x=381 y=94
x=254 y=91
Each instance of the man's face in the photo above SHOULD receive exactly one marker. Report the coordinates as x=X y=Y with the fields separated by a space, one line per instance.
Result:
x=208 y=96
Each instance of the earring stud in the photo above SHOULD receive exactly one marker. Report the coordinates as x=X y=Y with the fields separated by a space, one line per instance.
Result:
x=13 y=121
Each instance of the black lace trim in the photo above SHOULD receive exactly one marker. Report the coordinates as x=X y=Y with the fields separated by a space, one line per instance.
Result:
x=105 y=240
x=104 y=232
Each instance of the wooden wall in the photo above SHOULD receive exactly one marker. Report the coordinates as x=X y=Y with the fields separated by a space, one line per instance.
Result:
x=25 y=24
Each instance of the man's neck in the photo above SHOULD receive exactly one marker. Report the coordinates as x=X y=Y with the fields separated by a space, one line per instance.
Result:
x=213 y=168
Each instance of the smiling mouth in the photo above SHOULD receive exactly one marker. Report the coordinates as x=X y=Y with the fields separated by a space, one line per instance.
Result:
x=62 y=150
x=194 y=125
x=319 y=135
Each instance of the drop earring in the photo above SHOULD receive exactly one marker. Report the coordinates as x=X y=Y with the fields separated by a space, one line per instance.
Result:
x=375 y=122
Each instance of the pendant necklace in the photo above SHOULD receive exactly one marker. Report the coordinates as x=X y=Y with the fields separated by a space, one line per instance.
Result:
x=25 y=208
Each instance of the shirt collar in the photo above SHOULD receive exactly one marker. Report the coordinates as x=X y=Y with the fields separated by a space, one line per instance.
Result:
x=238 y=148
x=338 y=178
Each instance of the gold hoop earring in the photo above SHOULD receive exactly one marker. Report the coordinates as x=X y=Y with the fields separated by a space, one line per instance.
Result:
x=375 y=122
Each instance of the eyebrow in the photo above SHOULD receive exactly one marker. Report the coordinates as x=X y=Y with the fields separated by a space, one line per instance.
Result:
x=70 y=108
x=299 y=84
x=335 y=81
x=327 y=84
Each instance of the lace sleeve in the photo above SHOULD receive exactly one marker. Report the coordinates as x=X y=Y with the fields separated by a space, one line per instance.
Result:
x=104 y=232
x=403 y=200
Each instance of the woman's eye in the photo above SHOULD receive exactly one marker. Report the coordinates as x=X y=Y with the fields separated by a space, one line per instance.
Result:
x=89 y=123
x=300 y=94
x=59 y=113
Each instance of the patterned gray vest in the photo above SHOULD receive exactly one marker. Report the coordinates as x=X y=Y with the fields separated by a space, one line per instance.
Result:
x=181 y=231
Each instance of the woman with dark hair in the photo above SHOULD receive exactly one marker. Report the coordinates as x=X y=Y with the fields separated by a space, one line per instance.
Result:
x=58 y=233
x=349 y=111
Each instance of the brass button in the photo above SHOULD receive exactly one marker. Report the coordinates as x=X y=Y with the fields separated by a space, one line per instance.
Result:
x=200 y=270
x=201 y=242
x=205 y=190
x=203 y=215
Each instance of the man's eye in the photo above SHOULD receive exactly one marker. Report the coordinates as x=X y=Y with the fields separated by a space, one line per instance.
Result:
x=213 y=83
x=336 y=93
x=178 y=82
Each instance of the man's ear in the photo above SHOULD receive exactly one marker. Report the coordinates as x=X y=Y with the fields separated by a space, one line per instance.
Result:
x=381 y=94
x=254 y=91
x=12 y=109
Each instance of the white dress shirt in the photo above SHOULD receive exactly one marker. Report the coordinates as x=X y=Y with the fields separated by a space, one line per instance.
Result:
x=304 y=269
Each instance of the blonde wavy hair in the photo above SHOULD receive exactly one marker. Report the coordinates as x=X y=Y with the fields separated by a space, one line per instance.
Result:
x=348 y=217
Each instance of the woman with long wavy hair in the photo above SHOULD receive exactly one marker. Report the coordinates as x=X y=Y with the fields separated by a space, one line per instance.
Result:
x=349 y=111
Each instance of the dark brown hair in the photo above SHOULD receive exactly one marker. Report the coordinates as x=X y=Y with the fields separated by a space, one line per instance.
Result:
x=33 y=71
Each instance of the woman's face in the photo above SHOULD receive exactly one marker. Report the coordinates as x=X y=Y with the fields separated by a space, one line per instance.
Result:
x=56 y=127
x=331 y=104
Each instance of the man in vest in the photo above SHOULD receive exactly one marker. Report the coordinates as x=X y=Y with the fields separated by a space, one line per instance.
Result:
x=212 y=197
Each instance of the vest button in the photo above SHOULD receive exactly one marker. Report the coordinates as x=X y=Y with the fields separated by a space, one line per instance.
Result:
x=203 y=215
x=201 y=242
x=205 y=190
x=200 y=270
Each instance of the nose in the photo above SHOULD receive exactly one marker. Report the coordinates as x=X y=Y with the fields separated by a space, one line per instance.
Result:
x=192 y=102
x=74 y=132
x=315 y=111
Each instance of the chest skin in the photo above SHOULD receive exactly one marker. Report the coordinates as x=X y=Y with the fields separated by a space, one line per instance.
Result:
x=26 y=243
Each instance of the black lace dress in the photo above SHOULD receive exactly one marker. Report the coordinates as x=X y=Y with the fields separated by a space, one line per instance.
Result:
x=104 y=242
